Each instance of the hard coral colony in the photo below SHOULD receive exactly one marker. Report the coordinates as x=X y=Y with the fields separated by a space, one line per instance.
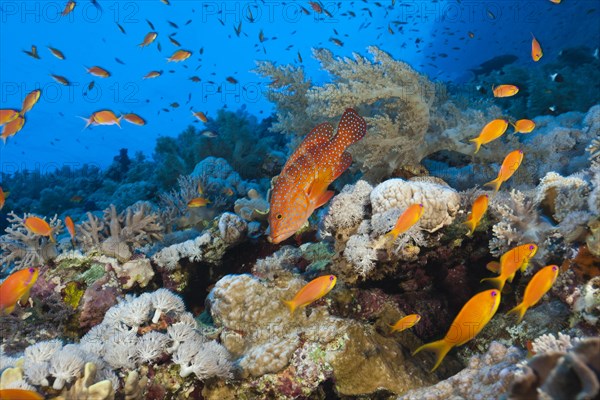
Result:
x=319 y=252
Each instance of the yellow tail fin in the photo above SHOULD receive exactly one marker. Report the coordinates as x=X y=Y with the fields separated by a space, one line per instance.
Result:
x=477 y=144
x=494 y=184
x=440 y=348
x=519 y=310
x=291 y=305
x=471 y=226
x=497 y=282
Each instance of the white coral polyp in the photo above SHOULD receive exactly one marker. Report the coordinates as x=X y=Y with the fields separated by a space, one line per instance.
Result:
x=151 y=346
x=136 y=311
x=164 y=302
x=42 y=351
x=65 y=367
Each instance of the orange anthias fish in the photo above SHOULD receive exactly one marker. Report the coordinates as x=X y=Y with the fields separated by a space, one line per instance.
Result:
x=11 y=128
x=316 y=7
x=8 y=115
x=505 y=90
x=70 y=227
x=39 y=227
x=479 y=208
x=536 y=49
x=510 y=262
x=198 y=202
x=30 y=100
x=16 y=288
x=555 y=1
x=524 y=126
x=3 y=196
x=180 y=55
x=134 y=119
x=19 y=394
x=148 y=39
x=511 y=163
x=537 y=287
x=490 y=132
x=97 y=71
x=201 y=116
x=104 y=117
x=56 y=53
x=152 y=74
x=471 y=319
x=407 y=220
x=311 y=292
x=317 y=162
x=406 y=322
x=61 y=79
x=68 y=8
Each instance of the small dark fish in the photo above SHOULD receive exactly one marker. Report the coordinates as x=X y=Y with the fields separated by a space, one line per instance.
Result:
x=189 y=21
x=261 y=36
x=60 y=79
x=96 y=4
x=33 y=53
x=471 y=35
x=238 y=30
x=201 y=51
x=556 y=77
x=195 y=79
x=490 y=14
x=91 y=85
x=231 y=79
x=173 y=24
x=174 y=105
x=119 y=61
x=158 y=46
x=151 y=25
x=299 y=57
x=121 y=28
x=174 y=42
x=336 y=41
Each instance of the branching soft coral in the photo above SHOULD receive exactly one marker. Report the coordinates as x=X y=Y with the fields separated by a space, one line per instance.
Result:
x=22 y=248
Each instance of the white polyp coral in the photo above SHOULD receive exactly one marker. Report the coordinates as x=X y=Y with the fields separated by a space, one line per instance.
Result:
x=165 y=301
x=440 y=202
x=66 y=366
x=93 y=341
x=21 y=384
x=180 y=332
x=37 y=372
x=136 y=311
x=212 y=359
x=151 y=346
x=186 y=352
x=122 y=350
x=347 y=209
x=42 y=351
x=549 y=343
x=360 y=253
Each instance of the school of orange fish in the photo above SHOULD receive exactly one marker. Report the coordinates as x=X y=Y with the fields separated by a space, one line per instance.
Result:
x=300 y=189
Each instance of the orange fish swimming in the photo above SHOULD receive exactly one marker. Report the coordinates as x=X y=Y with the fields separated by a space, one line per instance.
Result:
x=311 y=292
x=511 y=163
x=537 y=287
x=201 y=116
x=13 y=127
x=536 y=49
x=317 y=162
x=56 y=53
x=8 y=115
x=68 y=8
x=134 y=119
x=3 y=196
x=148 y=39
x=513 y=260
x=104 y=117
x=30 y=100
x=61 y=79
x=406 y=322
x=152 y=74
x=16 y=288
x=19 y=394
x=180 y=55
x=505 y=90
x=478 y=209
x=471 y=319
x=490 y=132
x=524 y=126
x=198 y=202
x=70 y=227
x=39 y=227
x=98 y=71
x=407 y=220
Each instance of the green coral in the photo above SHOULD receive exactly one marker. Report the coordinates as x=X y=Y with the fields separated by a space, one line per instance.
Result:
x=72 y=294
x=92 y=274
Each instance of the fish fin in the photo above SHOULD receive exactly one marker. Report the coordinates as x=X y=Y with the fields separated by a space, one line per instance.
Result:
x=324 y=198
x=291 y=305
x=119 y=121
x=440 y=348
x=495 y=184
x=497 y=282
x=318 y=188
x=477 y=143
x=320 y=135
x=8 y=310
x=23 y=299
x=510 y=278
x=351 y=129
x=524 y=266
x=88 y=121
x=519 y=310
x=471 y=226
x=493 y=266
x=343 y=165
x=6 y=194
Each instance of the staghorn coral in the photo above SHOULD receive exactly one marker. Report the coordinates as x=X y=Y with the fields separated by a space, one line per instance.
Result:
x=117 y=235
x=22 y=248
